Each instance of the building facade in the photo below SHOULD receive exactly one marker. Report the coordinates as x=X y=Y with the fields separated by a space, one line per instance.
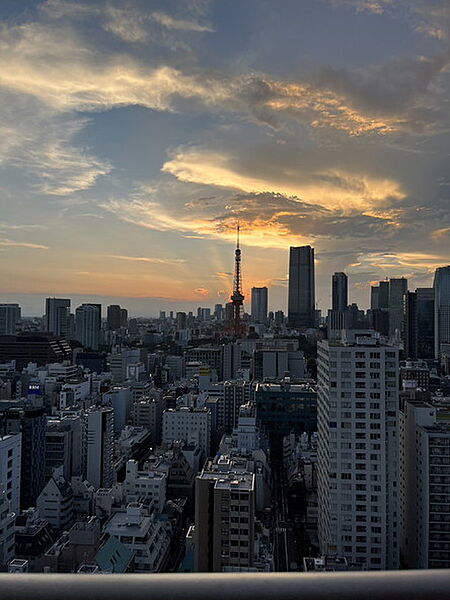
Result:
x=100 y=446
x=301 y=294
x=441 y=309
x=57 y=316
x=88 y=320
x=259 y=301
x=358 y=450
x=424 y=487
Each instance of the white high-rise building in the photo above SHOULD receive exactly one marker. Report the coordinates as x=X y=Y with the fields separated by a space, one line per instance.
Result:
x=358 y=449
x=100 y=446
x=7 y=530
x=9 y=318
x=189 y=425
x=145 y=485
x=88 y=320
x=10 y=457
x=424 y=487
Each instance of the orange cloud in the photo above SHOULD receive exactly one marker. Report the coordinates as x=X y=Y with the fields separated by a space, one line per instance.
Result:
x=333 y=188
x=201 y=291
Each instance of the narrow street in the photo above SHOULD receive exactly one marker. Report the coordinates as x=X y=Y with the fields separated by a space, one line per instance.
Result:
x=283 y=531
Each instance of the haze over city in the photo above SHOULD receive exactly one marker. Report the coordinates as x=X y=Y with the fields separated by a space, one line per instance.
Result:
x=134 y=136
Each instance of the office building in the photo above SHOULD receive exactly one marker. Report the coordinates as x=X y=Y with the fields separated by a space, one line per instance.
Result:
x=424 y=487
x=397 y=291
x=339 y=292
x=188 y=425
x=100 y=446
x=39 y=348
x=219 y=312
x=31 y=424
x=88 y=320
x=119 y=398
x=147 y=486
x=147 y=412
x=383 y=295
x=374 y=297
x=425 y=322
x=410 y=325
x=123 y=318
x=9 y=318
x=259 y=304
x=339 y=317
x=55 y=503
x=301 y=295
x=63 y=446
x=114 y=317
x=224 y=520
x=10 y=467
x=57 y=316
x=441 y=309
x=145 y=536
x=283 y=407
x=230 y=395
x=181 y=320
x=275 y=363
x=357 y=418
x=7 y=530
x=279 y=318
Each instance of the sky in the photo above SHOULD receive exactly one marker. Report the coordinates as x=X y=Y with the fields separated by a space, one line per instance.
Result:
x=135 y=134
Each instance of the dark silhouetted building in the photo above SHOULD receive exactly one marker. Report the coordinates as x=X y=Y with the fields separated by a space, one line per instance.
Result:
x=339 y=291
x=441 y=309
x=31 y=423
x=114 y=317
x=40 y=348
x=410 y=330
x=57 y=316
x=425 y=322
x=301 y=299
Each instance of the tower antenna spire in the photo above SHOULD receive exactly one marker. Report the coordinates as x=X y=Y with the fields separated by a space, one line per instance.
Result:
x=237 y=297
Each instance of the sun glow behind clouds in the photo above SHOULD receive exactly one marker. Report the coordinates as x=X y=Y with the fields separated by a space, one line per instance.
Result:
x=332 y=188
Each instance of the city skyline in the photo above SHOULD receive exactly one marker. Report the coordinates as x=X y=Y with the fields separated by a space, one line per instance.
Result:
x=134 y=138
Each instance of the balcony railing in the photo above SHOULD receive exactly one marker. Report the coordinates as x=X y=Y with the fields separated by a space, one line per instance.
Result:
x=398 y=585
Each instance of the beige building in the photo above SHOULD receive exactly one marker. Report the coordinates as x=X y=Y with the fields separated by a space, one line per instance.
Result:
x=224 y=520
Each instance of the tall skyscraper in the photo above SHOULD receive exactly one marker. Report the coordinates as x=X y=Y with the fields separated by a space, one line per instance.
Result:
x=9 y=318
x=301 y=299
x=88 y=325
x=57 y=316
x=425 y=322
x=259 y=304
x=410 y=330
x=339 y=291
x=397 y=290
x=114 y=317
x=374 y=297
x=123 y=318
x=358 y=449
x=338 y=316
x=383 y=295
x=181 y=320
x=100 y=446
x=441 y=309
